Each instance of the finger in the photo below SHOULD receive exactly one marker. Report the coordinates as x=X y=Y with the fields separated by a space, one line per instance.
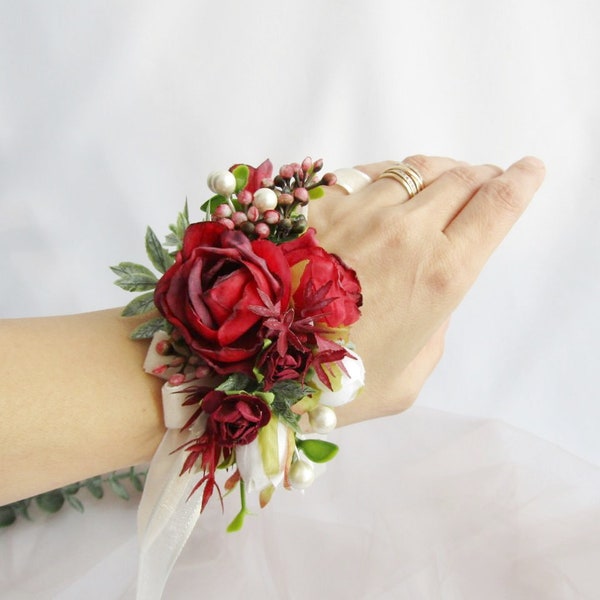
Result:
x=440 y=202
x=388 y=192
x=486 y=219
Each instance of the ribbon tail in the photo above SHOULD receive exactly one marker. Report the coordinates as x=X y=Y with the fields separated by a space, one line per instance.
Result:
x=166 y=517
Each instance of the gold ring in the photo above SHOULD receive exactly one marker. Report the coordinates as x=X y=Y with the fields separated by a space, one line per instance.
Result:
x=407 y=176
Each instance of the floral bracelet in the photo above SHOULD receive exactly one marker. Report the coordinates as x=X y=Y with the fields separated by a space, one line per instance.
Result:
x=252 y=333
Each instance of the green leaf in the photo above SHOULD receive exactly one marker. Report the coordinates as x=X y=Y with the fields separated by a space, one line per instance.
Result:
x=209 y=206
x=238 y=522
x=236 y=382
x=50 y=502
x=290 y=391
x=319 y=451
x=136 y=480
x=72 y=488
x=134 y=277
x=7 y=515
x=94 y=485
x=140 y=305
x=159 y=257
x=117 y=487
x=316 y=193
x=146 y=330
x=241 y=173
x=75 y=502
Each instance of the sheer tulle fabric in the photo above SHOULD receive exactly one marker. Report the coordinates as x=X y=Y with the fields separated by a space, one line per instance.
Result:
x=423 y=505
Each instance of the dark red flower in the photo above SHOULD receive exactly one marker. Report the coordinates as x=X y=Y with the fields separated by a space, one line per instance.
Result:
x=235 y=419
x=328 y=290
x=207 y=293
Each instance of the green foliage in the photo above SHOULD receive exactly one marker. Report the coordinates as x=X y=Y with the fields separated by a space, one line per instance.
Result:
x=316 y=193
x=209 y=206
x=236 y=382
x=52 y=501
x=319 y=451
x=159 y=257
x=134 y=277
x=175 y=238
x=287 y=393
x=241 y=174
x=140 y=305
x=146 y=330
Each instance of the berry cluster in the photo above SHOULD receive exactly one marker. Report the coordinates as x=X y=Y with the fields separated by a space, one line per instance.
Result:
x=272 y=207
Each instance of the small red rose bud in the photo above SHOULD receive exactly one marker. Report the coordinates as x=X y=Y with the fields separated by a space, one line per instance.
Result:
x=227 y=222
x=286 y=171
x=307 y=164
x=177 y=379
x=285 y=199
x=222 y=211
x=253 y=213
x=262 y=230
x=301 y=195
x=244 y=197
x=329 y=179
x=239 y=217
x=271 y=217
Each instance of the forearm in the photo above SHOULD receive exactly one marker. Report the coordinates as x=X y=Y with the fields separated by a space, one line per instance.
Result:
x=74 y=401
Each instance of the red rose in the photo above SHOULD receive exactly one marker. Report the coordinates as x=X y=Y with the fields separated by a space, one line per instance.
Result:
x=234 y=420
x=326 y=286
x=207 y=293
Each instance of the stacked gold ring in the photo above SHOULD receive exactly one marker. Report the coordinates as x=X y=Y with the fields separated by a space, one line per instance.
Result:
x=407 y=176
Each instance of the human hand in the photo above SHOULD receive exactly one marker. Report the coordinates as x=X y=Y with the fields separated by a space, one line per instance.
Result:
x=416 y=259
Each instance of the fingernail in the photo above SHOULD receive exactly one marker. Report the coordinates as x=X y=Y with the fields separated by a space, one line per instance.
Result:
x=534 y=162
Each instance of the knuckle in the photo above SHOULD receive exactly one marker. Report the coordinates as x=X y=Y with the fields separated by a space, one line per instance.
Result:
x=420 y=162
x=465 y=176
x=505 y=193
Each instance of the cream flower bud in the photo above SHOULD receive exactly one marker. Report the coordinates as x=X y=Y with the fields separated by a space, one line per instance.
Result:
x=249 y=460
x=345 y=387
x=222 y=182
x=265 y=199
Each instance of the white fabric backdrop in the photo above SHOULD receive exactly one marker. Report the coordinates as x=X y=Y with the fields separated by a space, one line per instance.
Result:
x=112 y=113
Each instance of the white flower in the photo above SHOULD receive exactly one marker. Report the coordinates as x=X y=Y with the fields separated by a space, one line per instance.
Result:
x=250 y=458
x=345 y=387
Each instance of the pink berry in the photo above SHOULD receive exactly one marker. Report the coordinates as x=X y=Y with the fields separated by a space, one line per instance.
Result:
x=244 y=197
x=239 y=217
x=271 y=217
x=177 y=379
x=253 y=213
x=301 y=194
x=222 y=211
x=286 y=171
x=227 y=222
x=262 y=230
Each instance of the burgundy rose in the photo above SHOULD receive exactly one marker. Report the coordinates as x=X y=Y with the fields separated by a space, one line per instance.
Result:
x=208 y=292
x=327 y=286
x=235 y=419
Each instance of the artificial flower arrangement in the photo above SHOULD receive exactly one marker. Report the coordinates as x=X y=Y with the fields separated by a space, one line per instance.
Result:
x=253 y=332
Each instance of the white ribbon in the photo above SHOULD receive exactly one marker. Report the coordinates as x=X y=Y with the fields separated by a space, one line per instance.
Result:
x=166 y=517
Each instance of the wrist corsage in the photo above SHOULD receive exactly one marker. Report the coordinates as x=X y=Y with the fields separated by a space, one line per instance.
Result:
x=252 y=333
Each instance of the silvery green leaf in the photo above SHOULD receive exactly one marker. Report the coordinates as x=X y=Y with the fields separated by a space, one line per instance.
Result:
x=75 y=502
x=134 y=277
x=159 y=257
x=146 y=330
x=140 y=305
x=117 y=487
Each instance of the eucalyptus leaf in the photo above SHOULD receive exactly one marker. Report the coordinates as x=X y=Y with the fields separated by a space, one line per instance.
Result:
x=319 y=451
x=94 y=486
x=146 y=330
x=7 y=516
x=134 y=277
x=136 y=480
x=75 y=502
x=117 y=487
x=290 y=391
x=50 y=502
x=140 y=305
x=158 y=256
